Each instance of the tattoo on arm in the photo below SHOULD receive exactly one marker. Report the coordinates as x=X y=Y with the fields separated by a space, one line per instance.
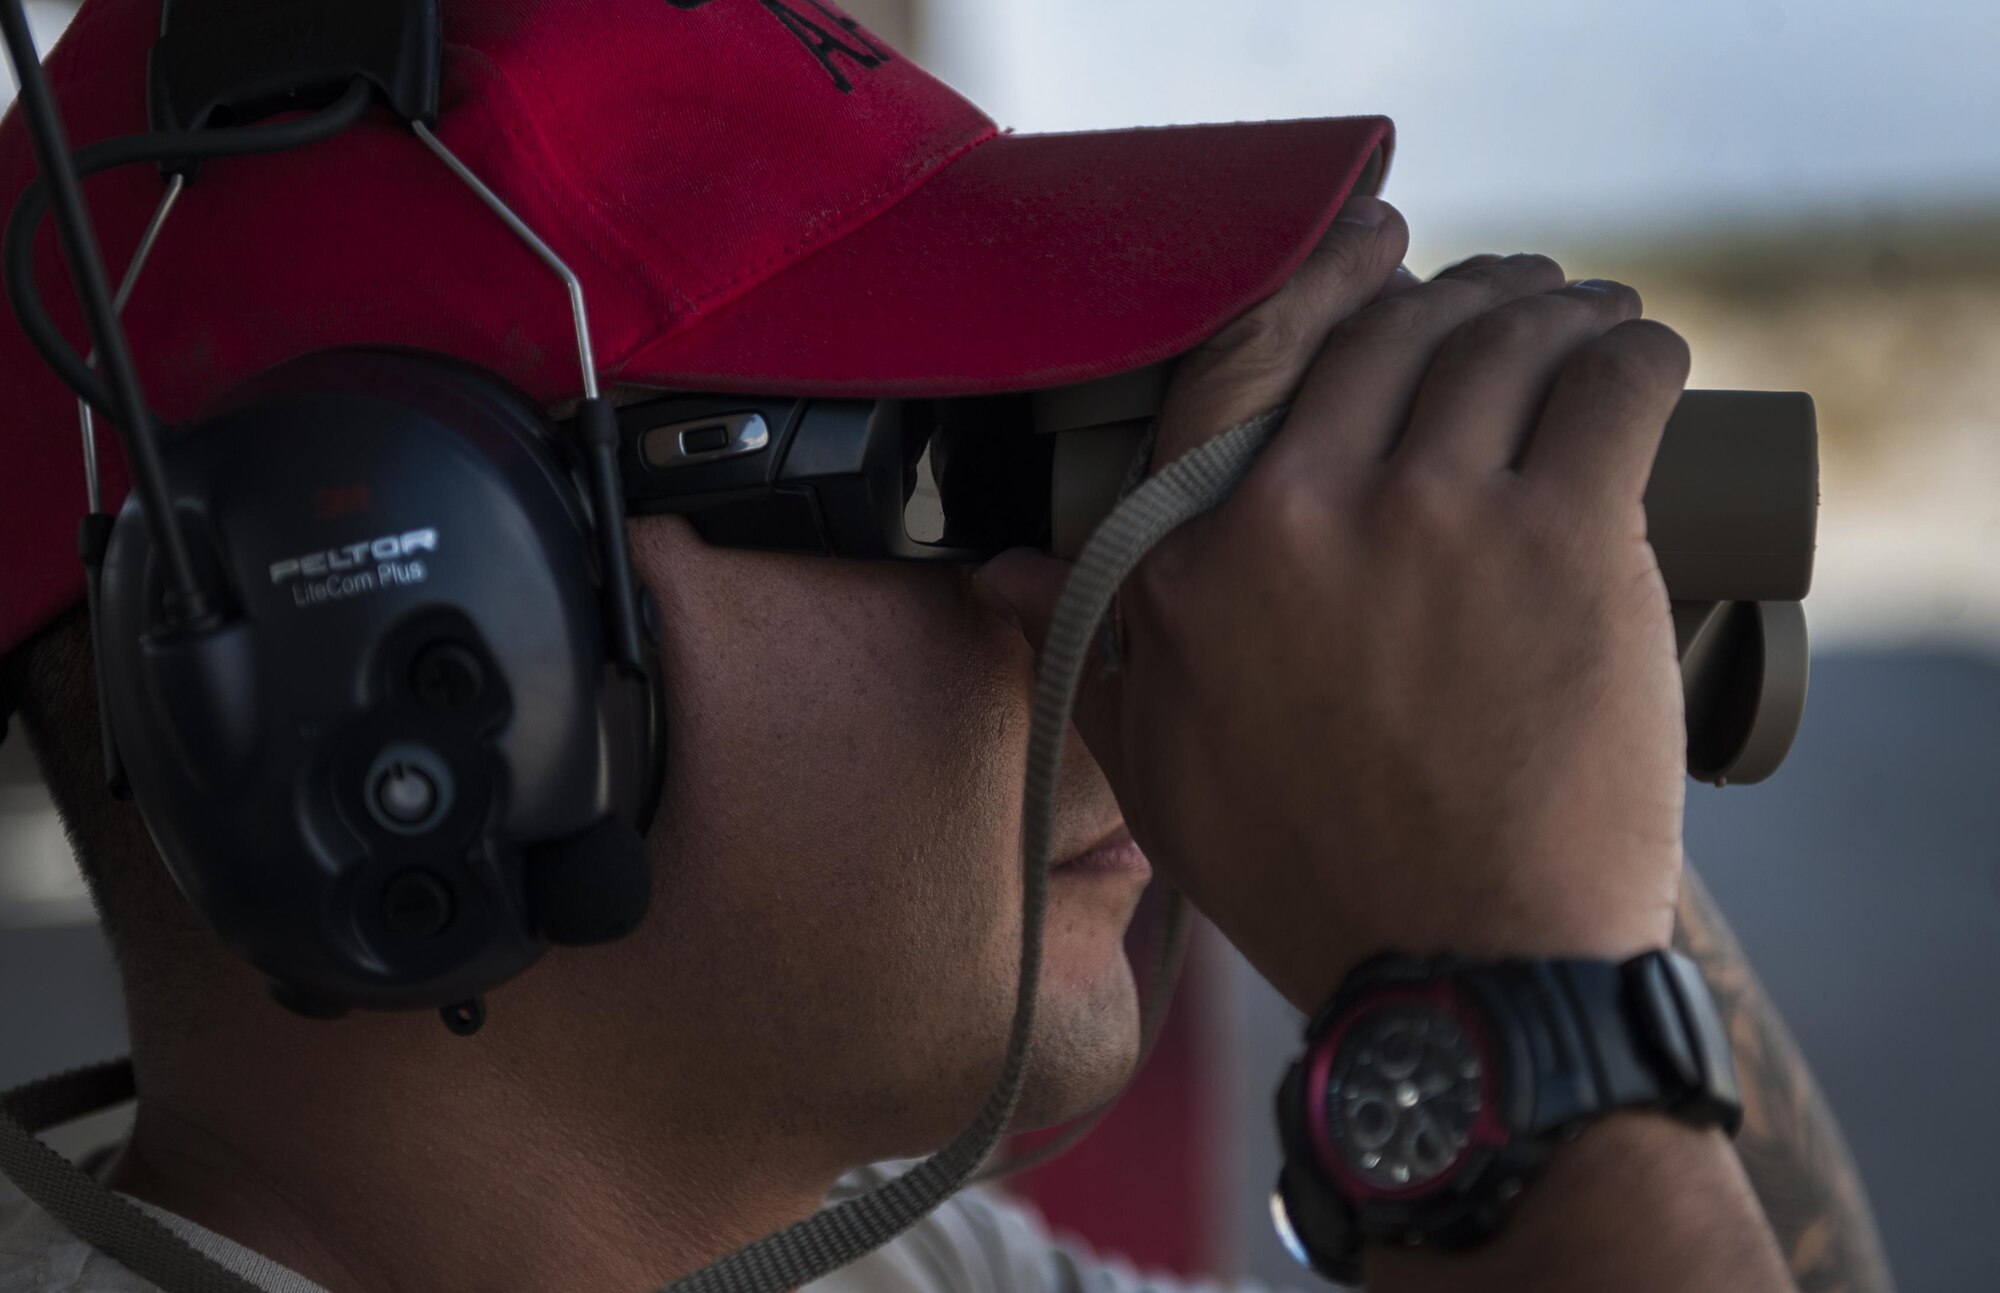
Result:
x=1790 y=1145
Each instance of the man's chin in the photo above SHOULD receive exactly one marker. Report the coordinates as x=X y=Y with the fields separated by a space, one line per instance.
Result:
x=1086 y=1044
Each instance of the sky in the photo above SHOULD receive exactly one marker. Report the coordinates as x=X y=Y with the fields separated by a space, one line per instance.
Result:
x=46 y=18
x=1565 y=116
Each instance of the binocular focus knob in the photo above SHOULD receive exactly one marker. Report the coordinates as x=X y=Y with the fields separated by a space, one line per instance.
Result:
x=1744 y=669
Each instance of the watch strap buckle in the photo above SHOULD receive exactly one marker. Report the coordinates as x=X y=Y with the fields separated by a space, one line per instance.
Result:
x=1674 y=1017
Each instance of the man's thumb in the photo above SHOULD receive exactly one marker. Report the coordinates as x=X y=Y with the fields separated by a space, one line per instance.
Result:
x=1023 y=584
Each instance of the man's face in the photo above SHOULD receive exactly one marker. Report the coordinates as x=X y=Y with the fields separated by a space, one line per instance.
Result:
x=835 y=936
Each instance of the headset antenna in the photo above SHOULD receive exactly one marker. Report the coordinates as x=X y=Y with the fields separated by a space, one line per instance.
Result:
x=185 y=603
x=597 y=429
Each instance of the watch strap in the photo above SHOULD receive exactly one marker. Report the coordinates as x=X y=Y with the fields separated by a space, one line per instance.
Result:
x=1601 y=1036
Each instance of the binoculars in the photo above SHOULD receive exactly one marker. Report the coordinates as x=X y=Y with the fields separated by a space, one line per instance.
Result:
x=1731 y=510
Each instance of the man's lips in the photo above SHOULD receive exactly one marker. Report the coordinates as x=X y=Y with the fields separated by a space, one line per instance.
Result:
x=1115 y=854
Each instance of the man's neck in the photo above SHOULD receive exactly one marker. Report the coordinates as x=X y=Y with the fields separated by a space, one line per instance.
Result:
x=413 y=1160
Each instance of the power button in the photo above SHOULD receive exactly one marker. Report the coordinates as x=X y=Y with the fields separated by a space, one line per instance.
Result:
x=405 y=794
x=408 y=789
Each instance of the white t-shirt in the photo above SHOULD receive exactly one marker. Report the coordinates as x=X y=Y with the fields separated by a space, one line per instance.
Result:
x=979 y=1242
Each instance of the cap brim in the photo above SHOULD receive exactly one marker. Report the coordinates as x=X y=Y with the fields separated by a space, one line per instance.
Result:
x=1036 y=261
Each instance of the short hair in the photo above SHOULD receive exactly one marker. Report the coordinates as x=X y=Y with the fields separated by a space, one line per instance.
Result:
x=164 y=950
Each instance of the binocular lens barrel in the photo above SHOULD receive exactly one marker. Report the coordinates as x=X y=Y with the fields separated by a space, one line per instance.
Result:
x=1732 y=511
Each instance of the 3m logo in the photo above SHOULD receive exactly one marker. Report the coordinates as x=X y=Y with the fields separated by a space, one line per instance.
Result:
x=338 y=501
x=288 y=26
x=851 y=45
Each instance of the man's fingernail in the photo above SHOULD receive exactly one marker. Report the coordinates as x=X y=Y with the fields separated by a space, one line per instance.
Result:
x=1363 y=210
x=1470 y=262
x=1398 y=283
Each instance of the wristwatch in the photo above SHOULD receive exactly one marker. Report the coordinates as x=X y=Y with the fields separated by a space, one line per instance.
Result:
x=1431 y=1091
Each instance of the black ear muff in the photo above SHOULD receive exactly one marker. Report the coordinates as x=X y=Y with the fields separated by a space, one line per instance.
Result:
x=592 y=887
x=369 y=644
x=412 y=718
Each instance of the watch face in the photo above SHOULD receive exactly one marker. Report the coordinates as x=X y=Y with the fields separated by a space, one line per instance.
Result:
x=1403 y=1095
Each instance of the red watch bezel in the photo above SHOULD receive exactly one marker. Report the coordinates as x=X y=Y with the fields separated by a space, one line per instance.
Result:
x=1487 y=1131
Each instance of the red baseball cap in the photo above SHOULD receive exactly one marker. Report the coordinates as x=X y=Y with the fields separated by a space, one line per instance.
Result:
x=758 y=195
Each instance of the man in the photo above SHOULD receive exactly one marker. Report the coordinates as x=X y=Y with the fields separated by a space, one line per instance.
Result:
x=1486 y=762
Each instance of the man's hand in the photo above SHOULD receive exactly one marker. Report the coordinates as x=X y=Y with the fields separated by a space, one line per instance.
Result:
x=1414 y=685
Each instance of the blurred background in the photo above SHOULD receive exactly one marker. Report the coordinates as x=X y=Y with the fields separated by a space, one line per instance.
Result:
x=1810 y=192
